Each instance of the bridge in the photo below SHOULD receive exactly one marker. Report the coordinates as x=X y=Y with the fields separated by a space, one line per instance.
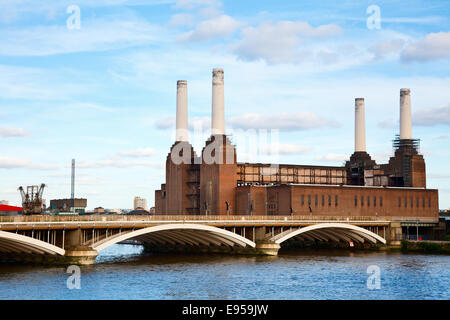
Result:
x=79 y=239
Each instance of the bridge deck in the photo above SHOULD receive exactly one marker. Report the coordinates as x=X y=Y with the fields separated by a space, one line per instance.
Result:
x=46 y=222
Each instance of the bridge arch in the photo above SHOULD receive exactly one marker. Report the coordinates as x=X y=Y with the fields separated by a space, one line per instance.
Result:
x=180 y=233
x=331 y=231
x=16 y=243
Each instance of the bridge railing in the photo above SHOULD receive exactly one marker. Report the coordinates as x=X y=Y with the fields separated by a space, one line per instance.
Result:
x=135 y=218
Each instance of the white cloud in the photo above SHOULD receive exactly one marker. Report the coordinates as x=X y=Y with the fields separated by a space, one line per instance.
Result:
x=11 y=163
x=38 y=83
x=193 y=4
x=210 y=29
x=281 y=42
x=89 y=105
x=412 y=20
x=138 y=153
x=295 y=121
x=196 y=123
x=12 y=10
x=386 y=124
x=94 y=35
x=433 y=47
x=12 y=132
x=181 y=19
x=286 y=149
x=432 y=116
x=117 y=163
x=14 y=163
x=387 y=48
x=333 y=157
x=438 y=176
x=165 y=123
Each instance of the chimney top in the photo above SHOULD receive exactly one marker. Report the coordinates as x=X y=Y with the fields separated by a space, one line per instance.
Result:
x=182 y=83
x=404 y=91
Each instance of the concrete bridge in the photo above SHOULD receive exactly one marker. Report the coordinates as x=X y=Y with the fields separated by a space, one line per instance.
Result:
x=78 y=239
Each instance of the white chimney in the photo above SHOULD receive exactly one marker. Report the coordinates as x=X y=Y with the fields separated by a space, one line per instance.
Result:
x=182 y=111
x=218 y=113
x=405 y=114
x=360 y=126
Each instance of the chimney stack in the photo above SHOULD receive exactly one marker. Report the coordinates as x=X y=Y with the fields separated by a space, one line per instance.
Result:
x=182 y=112
x=360 y=126
x=405 y=114
x=218 y=113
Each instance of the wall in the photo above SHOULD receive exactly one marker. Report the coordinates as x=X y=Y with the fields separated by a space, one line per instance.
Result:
x=218 y=180
x=345 y=205
x=251 y=200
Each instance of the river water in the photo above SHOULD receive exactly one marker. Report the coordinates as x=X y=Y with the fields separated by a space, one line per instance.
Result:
x=123 y=272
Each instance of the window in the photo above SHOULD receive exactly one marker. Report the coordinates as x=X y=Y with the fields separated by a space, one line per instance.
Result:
x=356 y=201
x=368 y=201
x=329 y=201
x=381 y=201
x=429 y=202
x=412 y=202
x=399 y=202
x=316 y=200
x=362 y=201
x=423 y=202
x=406 y=202
x=323 y=200
x=303 y=199
x=417 y=202
x=374 y=201
x=309 y=200
x=335 y=201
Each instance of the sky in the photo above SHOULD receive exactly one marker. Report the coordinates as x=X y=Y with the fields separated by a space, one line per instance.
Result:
x=95 y=81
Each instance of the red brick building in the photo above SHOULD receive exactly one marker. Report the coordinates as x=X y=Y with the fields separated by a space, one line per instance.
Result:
x=199 y=186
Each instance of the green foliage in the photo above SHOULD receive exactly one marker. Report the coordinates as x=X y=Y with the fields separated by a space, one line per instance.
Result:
x=429 y=247
x=404 y=245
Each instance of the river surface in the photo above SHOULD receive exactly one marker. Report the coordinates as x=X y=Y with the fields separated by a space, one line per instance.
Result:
x=123 y=272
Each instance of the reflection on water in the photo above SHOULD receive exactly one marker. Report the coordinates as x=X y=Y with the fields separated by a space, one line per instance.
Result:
x=124 y=272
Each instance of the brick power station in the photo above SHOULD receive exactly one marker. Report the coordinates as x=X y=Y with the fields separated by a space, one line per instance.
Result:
x=216 y=184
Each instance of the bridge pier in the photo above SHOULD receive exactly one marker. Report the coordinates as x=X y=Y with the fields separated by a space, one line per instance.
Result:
x=80 y=255
x=267 y=248
x=395 y=230
x=76 y=252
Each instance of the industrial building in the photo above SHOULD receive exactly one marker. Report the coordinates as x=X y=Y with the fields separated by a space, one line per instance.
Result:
x=72 y=204
x=139 y=203
x=7 y=210
x=77 y=205
x=198 y=186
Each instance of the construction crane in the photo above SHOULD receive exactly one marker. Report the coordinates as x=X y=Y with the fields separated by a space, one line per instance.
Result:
x=32 y=200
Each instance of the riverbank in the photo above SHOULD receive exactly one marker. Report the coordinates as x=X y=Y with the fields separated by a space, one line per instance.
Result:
x=426 y=246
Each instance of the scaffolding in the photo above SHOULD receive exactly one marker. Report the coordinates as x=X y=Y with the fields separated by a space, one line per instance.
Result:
x=267 y=174
x=410 y=146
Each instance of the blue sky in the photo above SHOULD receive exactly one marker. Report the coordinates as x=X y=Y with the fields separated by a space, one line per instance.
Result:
x=104 y=93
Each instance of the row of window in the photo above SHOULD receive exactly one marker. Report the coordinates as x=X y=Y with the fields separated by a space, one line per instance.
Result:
x=316 y=200
x=363 y=201
x=374 y=202
x=411 y=201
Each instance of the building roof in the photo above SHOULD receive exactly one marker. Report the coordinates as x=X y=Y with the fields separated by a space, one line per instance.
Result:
x=9 y=208
x=138 y=212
